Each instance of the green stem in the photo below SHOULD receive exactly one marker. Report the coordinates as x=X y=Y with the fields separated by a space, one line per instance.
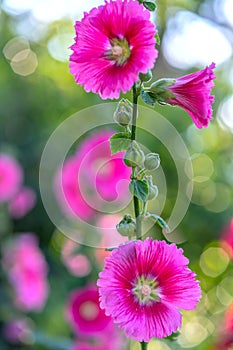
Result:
x=133 y=137
x=144 y=345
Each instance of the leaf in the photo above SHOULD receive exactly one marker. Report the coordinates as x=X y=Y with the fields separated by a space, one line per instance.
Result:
x=162 y=223
x=173 y=336
x=149 y=5
x=119 y=142
x=148 y=98
x=139 y=189
x=157 y=37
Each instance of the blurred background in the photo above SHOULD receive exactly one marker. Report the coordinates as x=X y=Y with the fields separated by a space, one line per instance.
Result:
x=48 y=298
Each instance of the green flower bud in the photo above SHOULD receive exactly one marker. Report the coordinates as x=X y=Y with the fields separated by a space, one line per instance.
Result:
x=123 y=112
x=134 y=156
x=127 y=226
x=152 y=161
x=152 y=189
x=145 y=77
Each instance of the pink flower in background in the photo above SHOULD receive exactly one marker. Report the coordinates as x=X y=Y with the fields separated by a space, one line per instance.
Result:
x=84 y=177
x=226 y=239
x=11 y=177
x=192 y=93
x=113 y=44
x=109 y=236
x=27 y=270
x=77 y=264
x=228 y=317
x=84 y=313
x=144 y=284
x=22 y=203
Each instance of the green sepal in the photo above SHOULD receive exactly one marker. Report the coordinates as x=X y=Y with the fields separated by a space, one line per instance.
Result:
x=149 y=5
x=157 y=37
x=119 y=142
x=173 y=336
x=148 y=98
x=139 y=189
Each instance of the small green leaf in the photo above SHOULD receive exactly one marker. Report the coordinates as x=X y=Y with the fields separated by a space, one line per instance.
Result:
x=161 y=222
x=139 y=189
x=119 y=142
x=149 y=5
x=157 y=37
x=148 y=98
x=173 y=336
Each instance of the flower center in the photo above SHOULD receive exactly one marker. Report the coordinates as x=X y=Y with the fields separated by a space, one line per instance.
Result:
x=89 y=310
x=146 y=290
x=119 y=51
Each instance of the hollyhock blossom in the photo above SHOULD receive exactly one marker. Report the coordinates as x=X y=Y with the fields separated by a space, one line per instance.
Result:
x=22 y=203
x=142 y=286
x=11 y=177
x=77 y=263
x=226 y=239
x=84 y=177
x=190 y=92
x=27 y=271
x=84 y=313
x=113 y=44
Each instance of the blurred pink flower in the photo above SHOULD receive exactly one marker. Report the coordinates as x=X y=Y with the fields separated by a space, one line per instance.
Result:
x=113 y=44
x=93 y=179
x=77 y=264
x=11 y=177
x=143 y=285
x=192 y=93
x=109 y=236
x=84 y=313
x=27 y=270
x=228 y=317
x=226 y=239
x=22 y=203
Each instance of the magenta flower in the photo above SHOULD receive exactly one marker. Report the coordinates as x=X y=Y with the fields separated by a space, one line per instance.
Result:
x=192 y=93
x=11 y=177
x=226 y=239
x=27 y=271
x=77 y=264
x=84 y=313
x=142 y=286
x=113 y=44
x=22 y=203
x=84 y=178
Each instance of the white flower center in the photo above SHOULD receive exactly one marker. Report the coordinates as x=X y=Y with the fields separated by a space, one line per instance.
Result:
x=146 y=290
x=119 y=52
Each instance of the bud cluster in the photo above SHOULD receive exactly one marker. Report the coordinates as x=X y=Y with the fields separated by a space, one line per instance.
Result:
x=127 y=226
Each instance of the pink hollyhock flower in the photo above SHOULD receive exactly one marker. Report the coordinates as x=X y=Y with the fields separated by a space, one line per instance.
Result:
x=85 y=175
x=142 y=286
x=77 y=264
x=27 y=270
x=11 y=177
x=22 y=203
x=113 y=44
x=84 y=313
x=190 y=92
x=226 y=239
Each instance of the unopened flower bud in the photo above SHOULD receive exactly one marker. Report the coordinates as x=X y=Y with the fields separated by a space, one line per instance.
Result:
x=152 y=189
x=152 y=161
x=123 y=112
x=134 y=156
x=145 y=77
x=127 y=226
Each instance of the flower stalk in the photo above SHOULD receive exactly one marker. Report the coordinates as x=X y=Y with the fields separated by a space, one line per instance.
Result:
x=136 y=94
x=144 y=345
